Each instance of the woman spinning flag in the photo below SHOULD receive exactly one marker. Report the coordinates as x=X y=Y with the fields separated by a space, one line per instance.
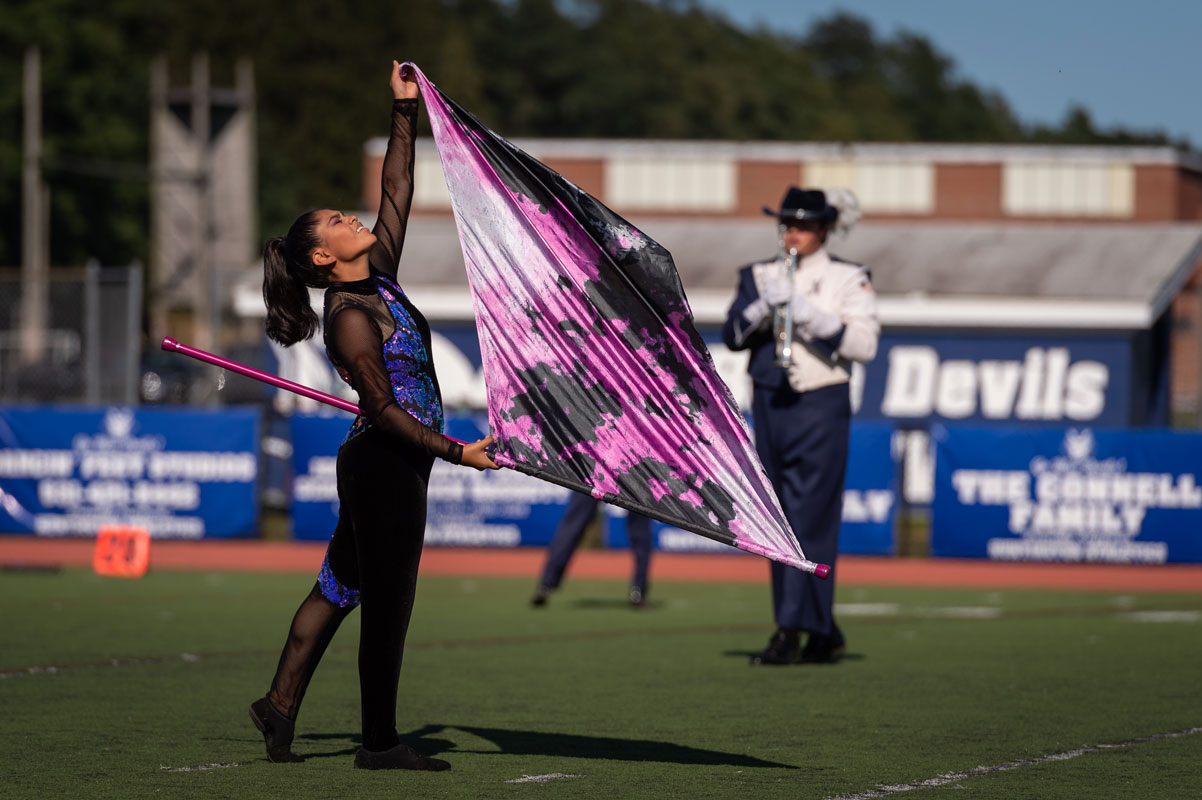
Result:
x=597 y=380
x=380 y=344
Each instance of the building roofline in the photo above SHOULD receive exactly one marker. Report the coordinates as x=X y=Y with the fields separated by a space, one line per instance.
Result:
x=1180 y=276
x=709 y=306
x=919 y=310
x=1152 y=155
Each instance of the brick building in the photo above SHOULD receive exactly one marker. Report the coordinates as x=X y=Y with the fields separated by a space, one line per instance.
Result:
x=986 y=237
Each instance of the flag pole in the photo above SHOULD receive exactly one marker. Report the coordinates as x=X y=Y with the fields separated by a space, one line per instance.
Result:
x=173 y=346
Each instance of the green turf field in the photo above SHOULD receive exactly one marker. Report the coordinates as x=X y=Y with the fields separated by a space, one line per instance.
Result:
x=114 y=688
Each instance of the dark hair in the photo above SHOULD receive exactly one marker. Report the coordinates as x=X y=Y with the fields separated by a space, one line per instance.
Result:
x=288 y=272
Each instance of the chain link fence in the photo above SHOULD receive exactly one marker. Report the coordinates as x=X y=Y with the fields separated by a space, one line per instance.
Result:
x=92 y=344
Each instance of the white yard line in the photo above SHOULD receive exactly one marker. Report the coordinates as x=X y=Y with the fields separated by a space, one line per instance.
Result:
x=553 y=776
x=1163 y=616
x=52 y=669
x=867 y=609
x=889 y=790
x=959 y=612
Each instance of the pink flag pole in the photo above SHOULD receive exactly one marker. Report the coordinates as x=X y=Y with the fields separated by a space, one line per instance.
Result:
x=173 y=346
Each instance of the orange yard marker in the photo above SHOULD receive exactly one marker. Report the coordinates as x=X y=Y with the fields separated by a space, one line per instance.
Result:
x=122 y=551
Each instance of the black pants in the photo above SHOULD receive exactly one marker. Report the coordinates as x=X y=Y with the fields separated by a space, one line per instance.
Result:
x=570 y=531
x=802 y=439
x=375 y=551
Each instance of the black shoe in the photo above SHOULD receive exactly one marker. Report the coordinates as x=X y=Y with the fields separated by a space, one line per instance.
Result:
x=277 y=731
x=783 y=648
x=637 y=598
x=540 y=596
x=825 y=649
x=400 y=757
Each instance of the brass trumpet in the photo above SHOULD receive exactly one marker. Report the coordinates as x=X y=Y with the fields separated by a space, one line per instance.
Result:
x=782 y=319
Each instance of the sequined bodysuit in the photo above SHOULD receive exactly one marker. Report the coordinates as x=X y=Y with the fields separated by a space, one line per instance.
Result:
x=382 y=349
x=379 y=343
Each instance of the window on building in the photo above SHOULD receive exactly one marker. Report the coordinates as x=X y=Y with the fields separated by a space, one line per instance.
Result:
x=667 y=183
x=883 y=186
x=429 y=185
x=1076 y=189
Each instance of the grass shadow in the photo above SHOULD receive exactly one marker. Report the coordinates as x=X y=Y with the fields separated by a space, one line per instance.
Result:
x=749 y=653
x=568 y=745
x=598 y=602
x=354 y=738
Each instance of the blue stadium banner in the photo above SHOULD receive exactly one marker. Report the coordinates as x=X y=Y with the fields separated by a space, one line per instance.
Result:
x=870 y=492
x=1025 y=378
x=922 y=377
x=182 y=474
x=664 y=537
x=314 y=495
x=506 y=508
x=494 y=508
x=869 y=503
x=1076 y=494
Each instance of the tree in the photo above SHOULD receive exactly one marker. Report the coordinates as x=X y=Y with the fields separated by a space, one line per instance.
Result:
x=94 y=123
x=570 y=68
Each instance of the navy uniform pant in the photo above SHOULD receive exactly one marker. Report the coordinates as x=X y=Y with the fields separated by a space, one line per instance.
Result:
x=570 y=531
x=802 y=439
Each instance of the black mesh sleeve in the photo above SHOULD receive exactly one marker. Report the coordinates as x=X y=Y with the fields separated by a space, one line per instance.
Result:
x=396 y=189
x=354 y=340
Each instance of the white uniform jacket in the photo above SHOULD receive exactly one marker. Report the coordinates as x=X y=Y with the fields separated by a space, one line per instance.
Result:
x=836 y=325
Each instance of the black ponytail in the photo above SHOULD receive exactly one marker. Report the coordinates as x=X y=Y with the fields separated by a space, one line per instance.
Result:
x=288 y=272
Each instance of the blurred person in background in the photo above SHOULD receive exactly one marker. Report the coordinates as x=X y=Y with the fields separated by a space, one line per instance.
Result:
x=380 y=345
x=570 y=531
x=801 y=403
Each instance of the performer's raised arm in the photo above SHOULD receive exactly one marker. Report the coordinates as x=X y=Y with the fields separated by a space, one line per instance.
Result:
x=396 y=179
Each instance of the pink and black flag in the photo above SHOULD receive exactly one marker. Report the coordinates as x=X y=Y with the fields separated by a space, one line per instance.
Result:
x=596 y=376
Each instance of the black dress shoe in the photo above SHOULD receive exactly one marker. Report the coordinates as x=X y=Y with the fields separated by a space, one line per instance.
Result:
x=277 y=731
x=783 y=648
x=824 y=649
x=400 y=757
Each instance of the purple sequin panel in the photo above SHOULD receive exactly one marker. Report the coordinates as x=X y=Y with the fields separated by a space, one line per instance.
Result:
x=596 y=376
x=334 y=591
x=408 y=363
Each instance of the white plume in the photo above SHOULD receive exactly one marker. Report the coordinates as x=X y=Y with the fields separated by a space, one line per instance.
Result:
x=849 y=209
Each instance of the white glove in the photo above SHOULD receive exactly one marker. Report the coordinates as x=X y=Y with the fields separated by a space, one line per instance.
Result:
x=756 y=312
x=777 y=291
x=803 y=311
x=813 y=322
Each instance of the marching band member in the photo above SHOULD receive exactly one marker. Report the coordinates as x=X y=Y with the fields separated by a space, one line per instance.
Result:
x=805 y=318
x=570 y=532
